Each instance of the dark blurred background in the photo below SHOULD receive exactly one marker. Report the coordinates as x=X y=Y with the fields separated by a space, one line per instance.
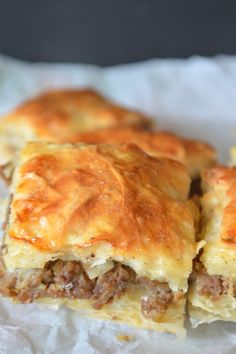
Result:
x=108 y=32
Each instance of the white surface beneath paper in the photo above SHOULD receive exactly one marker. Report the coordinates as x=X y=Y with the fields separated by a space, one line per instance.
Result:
x=195 y=97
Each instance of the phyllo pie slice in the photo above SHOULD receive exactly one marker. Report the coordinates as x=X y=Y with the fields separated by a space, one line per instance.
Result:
x=57 y=116
x=213 y=283
x=194 y=154
x=104 y=229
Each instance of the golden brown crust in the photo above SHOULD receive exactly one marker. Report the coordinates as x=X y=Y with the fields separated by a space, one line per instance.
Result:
x=199 y=155
x=48 y=182
x=67 y=198
x=194 y=154
x=211 y=296
x=221 y=177
x=59 y=115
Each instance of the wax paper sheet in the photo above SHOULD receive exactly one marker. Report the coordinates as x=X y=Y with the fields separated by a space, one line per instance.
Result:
x=195 y=97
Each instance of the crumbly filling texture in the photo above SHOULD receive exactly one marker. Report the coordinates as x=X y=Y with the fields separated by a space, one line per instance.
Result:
x=212 y=286
x=68 y=279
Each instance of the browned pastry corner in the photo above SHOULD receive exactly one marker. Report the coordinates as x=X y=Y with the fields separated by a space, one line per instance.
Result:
x=107 y=230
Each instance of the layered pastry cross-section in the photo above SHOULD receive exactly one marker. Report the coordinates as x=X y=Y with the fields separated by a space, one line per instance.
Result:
x=106 y=230
x=213 y=283
x=57 y=116
x=194 y=154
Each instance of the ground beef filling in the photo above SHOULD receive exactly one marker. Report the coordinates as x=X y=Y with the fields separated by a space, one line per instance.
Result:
x=212 y=286
x=68 y=279
x=159 y=298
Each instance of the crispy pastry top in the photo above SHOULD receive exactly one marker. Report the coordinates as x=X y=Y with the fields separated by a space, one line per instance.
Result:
x=224 y=178
x=219 y=220
x=58 y=115
x=69 y=198
x=193 y=153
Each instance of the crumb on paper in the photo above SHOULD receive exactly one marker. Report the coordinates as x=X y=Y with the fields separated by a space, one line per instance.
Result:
x=125 y=337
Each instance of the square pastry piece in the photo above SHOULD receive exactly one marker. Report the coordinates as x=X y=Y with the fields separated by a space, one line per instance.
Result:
x=105 y=230
x=57 y=116
x=213 y=283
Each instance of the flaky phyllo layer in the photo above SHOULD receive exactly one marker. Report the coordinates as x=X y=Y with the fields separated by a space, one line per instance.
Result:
x=74 y=116
x=194 y=154
x=58 y=116
x=69 y=279
x=213 y=283
x=101 y=226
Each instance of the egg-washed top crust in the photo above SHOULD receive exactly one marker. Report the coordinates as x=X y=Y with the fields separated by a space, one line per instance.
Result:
x=193 y=153
x=106 y=202
x=219 y=220
x=58 y=115
x=224 y=178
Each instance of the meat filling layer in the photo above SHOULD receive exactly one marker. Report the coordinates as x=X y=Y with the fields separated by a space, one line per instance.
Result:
x=69 y=279
x=212 y=286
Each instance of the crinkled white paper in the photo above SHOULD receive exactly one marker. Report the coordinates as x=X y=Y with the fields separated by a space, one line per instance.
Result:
x=194 y=97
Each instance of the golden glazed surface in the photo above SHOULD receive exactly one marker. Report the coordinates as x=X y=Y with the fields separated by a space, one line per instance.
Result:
x=218 y=219
x=219 y=252
x=69 y=200
x=59 y=115
x=194 y=154
x=223 y=179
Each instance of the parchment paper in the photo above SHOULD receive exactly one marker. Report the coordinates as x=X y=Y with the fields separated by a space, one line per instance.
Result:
x=195 y=97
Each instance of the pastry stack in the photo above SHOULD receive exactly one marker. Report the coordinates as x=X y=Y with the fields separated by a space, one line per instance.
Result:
x=113 y=217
